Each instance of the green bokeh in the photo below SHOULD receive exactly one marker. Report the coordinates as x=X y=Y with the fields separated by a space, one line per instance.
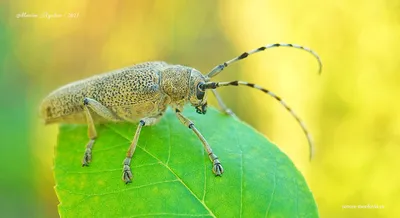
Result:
x=17 y=198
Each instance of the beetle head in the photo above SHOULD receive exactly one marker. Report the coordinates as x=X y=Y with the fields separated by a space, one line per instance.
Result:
x=197 y=96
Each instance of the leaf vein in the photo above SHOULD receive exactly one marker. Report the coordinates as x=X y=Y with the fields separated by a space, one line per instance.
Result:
x=169 y=147
x=107 y=170
x=297 y=198
x=273 y=191
x=173 y=172
x=241 y=172
x=205 y=178
x=119 y=191
x=169 y=214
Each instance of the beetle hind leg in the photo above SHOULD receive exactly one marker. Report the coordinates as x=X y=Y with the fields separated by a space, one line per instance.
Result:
x=87 y=157
x=101 y=110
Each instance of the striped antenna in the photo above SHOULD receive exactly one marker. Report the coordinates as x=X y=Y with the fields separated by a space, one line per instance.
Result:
x=214 y=85
x=216 y=70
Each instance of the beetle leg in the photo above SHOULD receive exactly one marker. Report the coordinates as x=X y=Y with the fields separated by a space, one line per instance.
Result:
x=217 y=167
x=126 y=172
x=222 y=105
x=103 y=112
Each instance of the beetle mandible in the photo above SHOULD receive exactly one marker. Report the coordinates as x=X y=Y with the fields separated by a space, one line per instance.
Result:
x=141 y=94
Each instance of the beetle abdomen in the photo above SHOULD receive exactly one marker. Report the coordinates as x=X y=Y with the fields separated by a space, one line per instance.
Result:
x=137 y=85
x=65 y=101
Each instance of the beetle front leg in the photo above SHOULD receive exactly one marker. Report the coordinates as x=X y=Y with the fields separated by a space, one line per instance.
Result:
x=217 y=167
x=222 y=105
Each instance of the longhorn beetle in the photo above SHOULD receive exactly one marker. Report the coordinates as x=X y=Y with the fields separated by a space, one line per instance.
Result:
x=141 y=94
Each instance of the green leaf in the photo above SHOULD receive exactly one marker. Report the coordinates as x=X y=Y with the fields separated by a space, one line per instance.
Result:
x=173 y=174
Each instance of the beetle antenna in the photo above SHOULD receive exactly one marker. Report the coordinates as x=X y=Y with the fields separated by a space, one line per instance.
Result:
x=214 y=85
x=216 y=70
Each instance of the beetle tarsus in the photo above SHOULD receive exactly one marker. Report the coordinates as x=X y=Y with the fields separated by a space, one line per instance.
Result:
x=218 y=170
x=87 y=157
x=127 y=174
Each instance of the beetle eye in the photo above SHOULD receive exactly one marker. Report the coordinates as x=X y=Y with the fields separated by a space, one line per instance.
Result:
x=199 y=93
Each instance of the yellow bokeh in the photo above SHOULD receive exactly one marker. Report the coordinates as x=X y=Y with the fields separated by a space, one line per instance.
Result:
x=351 y=109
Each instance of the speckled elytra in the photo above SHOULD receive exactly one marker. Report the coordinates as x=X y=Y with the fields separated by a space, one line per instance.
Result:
x=141 y=94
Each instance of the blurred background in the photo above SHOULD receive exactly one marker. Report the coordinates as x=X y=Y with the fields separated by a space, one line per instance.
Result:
x=351 y=109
